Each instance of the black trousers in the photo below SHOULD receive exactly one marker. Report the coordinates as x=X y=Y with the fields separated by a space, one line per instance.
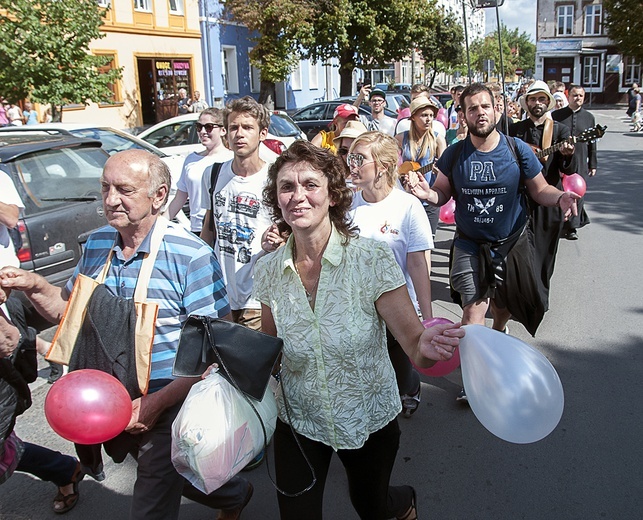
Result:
x=368 y=469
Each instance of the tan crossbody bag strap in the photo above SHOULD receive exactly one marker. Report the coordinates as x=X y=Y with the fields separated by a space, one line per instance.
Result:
x=548 y=134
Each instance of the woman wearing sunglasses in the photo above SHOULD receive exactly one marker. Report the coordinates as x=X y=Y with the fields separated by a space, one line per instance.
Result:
x=385 y=213
x=329 y=294
x=211 y=132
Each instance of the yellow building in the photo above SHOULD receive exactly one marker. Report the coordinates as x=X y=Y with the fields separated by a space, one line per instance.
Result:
x=158 y=45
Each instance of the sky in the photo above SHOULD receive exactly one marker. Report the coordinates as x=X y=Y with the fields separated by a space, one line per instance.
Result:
x=514 y=13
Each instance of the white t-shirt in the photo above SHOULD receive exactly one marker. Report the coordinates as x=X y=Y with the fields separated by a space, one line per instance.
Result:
x=8 y=195
x=400 y=221
x=241 y=218
x=191 y=180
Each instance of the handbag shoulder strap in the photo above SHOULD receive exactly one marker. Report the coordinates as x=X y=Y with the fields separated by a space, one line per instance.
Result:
x=147 y=266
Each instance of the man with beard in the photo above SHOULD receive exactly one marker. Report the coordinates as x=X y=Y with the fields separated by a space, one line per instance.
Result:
x=540 y=131
x=577 y=119
x=486 y=174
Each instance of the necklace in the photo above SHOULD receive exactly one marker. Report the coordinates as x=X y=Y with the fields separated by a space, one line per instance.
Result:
x=309 y=295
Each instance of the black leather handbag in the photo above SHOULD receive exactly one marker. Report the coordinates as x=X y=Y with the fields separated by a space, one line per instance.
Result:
x=246 y=357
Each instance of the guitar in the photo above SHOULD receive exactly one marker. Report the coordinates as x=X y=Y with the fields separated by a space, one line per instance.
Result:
x=412 y=166
x=591 y=134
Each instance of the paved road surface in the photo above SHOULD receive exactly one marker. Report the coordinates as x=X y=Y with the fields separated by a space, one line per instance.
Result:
x=588 y=468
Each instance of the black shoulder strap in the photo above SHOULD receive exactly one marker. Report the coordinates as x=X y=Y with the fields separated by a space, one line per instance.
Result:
x=457 y=152
x=214 y=176
x=511 y=142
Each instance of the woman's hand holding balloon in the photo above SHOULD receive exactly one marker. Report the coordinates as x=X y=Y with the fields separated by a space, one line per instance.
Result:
x=439 y=342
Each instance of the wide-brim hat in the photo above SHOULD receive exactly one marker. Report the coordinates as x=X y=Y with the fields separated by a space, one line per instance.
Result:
x=538 y=87
x=423 y=102
x=352 y=130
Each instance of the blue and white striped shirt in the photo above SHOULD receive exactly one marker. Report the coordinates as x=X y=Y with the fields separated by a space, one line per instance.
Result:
x=186 y=280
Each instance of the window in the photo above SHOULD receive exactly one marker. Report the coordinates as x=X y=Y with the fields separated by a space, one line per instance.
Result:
x=113 y=87
x=631 y=71
x=176 y=7
x=593 y=19
x=230 y=71
x=313 y=77
x=143 y=5
x=565 y=20
x=295 y=78
x=255 y=76
x=590 y=71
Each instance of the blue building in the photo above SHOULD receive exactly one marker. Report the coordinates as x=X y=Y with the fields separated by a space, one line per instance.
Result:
x=228 y=74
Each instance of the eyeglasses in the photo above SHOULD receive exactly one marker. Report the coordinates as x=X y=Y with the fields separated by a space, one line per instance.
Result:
x=356 y=160
x=208 y=127
x=378 y=100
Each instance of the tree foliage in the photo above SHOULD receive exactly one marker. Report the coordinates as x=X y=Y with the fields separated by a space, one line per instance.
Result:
x=367 y=33
x=442 y=48
x=517 y=51
x=44 y=52
x=624 y=24
x=279 y=27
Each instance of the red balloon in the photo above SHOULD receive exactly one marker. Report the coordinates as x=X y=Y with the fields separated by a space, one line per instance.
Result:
x=88 y=407
x=575 y=183
x=441 y=368
x=442 y=117
x=447 y=212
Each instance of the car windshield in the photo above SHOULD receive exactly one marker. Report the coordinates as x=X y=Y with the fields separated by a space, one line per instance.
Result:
x=112 y=141
x=282 y=127
x=62 y=173
x=175 y=134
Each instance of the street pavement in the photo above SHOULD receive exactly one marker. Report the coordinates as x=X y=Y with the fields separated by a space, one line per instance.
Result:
x=589 y=467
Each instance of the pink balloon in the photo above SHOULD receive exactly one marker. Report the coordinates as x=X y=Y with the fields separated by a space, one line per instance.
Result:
x=441 y=368
x=442 y=117
x=88 y=407
x=575 y=183
x=447 y=212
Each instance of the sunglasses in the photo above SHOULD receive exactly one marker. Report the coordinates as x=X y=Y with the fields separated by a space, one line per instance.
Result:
x=208 y=127
x=356 y=160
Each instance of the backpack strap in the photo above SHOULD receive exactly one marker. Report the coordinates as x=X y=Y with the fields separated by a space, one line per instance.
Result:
x=214 y=177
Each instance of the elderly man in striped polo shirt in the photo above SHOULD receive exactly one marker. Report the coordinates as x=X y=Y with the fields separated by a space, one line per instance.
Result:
x=186 y=279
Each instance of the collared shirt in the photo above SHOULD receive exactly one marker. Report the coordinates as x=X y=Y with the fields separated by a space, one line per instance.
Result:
x=186 y=279
x=337 y=375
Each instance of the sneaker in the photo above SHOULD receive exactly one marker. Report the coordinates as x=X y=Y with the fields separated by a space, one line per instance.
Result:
x=55 y=372
x=255 y=463
x=462 y=396
x=571 y=235
x=410 y=402
x=97 y=474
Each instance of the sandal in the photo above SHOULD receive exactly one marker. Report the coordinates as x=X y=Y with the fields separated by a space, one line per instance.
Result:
x=412 y=513
x=63 y=503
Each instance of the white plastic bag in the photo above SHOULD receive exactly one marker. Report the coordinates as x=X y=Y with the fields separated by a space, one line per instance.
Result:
x=216 y=433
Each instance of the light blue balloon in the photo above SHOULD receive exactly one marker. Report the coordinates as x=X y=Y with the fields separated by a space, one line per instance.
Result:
x=513 y=389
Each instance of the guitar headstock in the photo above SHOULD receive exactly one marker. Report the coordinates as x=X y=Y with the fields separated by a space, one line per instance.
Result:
x=591 y=134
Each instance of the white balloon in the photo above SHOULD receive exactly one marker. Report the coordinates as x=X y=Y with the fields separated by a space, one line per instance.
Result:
x=513 y=389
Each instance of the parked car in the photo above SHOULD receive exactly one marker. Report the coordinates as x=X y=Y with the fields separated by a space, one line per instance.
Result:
x=57 y=176
x=316 y=117
x=114 y=141
x=178 y=135
x=395 y=101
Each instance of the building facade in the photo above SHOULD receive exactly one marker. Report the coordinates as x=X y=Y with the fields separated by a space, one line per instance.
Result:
x=572 y=46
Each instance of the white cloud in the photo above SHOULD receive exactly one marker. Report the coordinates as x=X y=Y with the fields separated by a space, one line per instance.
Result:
x=514 y=13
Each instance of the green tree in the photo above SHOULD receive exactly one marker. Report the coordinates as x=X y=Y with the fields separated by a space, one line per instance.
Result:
x=624 y=24
x=517 y=51
x=367 y=33
x=44 y=52
x=443 y=48
x=279 y=26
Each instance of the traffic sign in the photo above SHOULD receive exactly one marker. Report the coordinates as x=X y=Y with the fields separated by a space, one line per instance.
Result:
x=518 y=72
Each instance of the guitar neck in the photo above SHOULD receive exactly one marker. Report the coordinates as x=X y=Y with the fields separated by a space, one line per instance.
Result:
x=555 y=147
